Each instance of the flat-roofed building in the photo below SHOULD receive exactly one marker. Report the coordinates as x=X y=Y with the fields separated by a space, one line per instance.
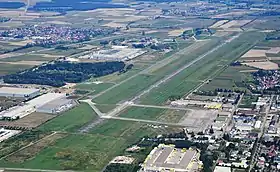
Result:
x=56 y=106
x=15 y=92
x=169 y=158
x=30 y=106
x=222 y=169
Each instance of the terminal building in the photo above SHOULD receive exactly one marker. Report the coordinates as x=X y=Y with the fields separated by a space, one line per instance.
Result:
x=16 y=92
x=169 y=158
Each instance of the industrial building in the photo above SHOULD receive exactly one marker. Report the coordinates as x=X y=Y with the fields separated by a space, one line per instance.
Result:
x=169 y=158
x=5 y=134
x=15 y=92
x=30 y=106
x=115 y=53
x=56 y=106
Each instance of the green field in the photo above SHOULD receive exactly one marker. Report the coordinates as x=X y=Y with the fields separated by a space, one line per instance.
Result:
x=96 y=88
x=27 y=57
x=247 y=101
x=231 y=79
x=164 y=115
x=201 y=70
x=71 y=120
x=6 y=68
x=139 y=83
x=126 y=90
x=89 y=152
x=104 y=108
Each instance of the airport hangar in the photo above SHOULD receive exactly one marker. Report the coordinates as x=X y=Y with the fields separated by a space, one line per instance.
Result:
x=17 y=92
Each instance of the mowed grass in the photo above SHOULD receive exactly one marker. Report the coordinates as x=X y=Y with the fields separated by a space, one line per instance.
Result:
x=105 y=108
x=156 y=114
x=27 y=57
x=12 y=68
x=201 y=70
x=126 y=90
x=141 y=82
x=71 y=120
x=94 y=88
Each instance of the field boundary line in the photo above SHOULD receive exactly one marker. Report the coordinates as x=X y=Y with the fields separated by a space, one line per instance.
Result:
x=30 y=144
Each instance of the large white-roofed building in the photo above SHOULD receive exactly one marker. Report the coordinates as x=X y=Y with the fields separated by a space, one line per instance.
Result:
x=30 y=106
x=169 y=158
x=16 y=92
x=57 y=106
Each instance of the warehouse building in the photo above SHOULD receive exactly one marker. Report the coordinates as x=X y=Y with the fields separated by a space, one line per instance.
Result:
x=57 y=106
x=30 y=106
x=15 y=92
x=169 y=158
x=116 y=53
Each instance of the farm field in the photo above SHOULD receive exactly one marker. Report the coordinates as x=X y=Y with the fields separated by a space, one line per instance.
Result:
x=231 y=78
x=156 y=114
x=201 y=70
x=71 y=120
x=6 y=68
x=27 y=57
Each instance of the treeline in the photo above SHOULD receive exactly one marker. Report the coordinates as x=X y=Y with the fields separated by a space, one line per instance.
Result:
x=59 y=73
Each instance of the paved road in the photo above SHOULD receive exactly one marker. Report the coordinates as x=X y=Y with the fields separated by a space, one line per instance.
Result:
x=263 y=127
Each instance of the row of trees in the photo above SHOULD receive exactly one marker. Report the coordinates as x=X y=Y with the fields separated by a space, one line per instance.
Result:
x=58 y=73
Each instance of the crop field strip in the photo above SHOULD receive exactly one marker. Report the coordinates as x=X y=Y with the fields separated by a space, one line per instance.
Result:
x=190 y=77
x=143 y=80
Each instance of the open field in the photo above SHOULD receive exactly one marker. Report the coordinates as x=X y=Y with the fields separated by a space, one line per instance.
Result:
x=12 y=68
x=218 y=23
x=28 y=57
x=89 y=152
x=231 y=78
x=156 y=114
x=177 y=32
x=266 y=65
x=71 y=120
x=105 y=108
x=201 y=70
x=30 y=121
x=153 y=74
x=247 y=101
x=31 y=151
x=96 y=88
